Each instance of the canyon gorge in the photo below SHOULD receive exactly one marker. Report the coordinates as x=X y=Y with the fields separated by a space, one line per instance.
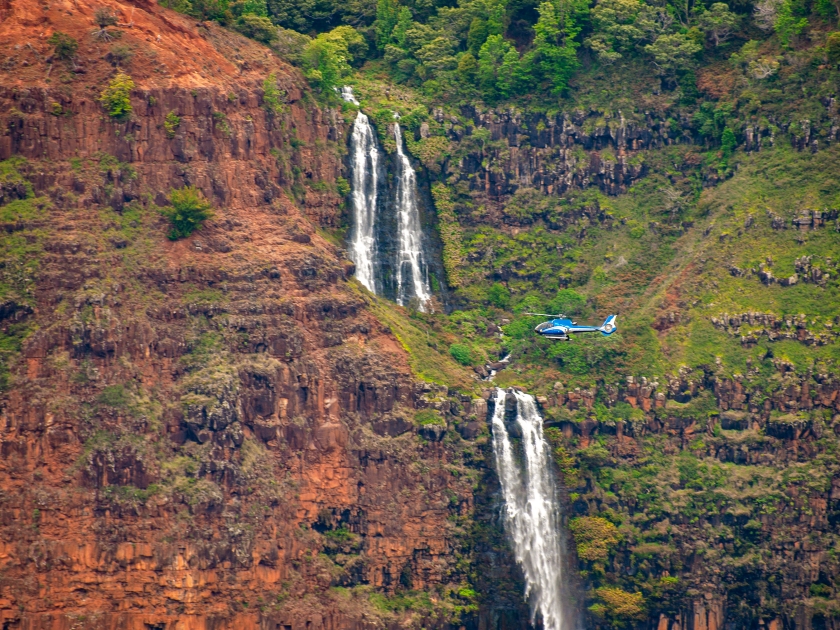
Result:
x=324 y=408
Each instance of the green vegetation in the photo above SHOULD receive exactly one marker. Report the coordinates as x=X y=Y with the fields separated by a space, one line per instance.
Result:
x=116 y=98
x=188 y=212
x=326 y=59
x=171 y=124
x=64 y=45
x=461 y=353
x=450 y=232
x=594 y=536
x=619 y=607
x=272 y=96
x=428 y=416
x=426 y=343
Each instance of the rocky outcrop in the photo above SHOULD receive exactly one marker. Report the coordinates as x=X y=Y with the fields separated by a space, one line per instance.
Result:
x=211 y=432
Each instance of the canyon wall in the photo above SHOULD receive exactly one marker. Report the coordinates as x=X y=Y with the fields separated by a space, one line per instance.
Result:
x=215 y=431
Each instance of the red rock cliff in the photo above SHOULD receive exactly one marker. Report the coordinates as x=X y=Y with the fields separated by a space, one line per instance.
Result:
x=187 y=434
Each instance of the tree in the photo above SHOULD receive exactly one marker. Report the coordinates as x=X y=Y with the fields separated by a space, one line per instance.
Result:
x=104 y=18
x=467 y=67
x=827 y=8
x=217 y=10
x=387 y=16
x=673 y=52
x=404 y=22
x=304 y=15
x=65 y=46
x=787 y=25
x=554 y=55
x=497 y=72
x=477 y=35
x=765 y=12
x=188 y=212
x=496 y=18
x=350 y=42
x=498 y=295
x=290 y=45
x=615 y=30
x=719 y=22
x=832 y=47
x=326 y=59
x=323 y=64
x=116 y=98
x=249 y=7
x=256 y=27
x=437 y=56
x=728 y=142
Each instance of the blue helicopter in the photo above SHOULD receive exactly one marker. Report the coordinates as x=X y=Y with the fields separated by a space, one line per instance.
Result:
x=560 y=327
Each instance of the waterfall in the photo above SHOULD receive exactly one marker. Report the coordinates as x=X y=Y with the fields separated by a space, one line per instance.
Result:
x=365 y=165
x=412 y=271
x=385 y=240
x=532 y=511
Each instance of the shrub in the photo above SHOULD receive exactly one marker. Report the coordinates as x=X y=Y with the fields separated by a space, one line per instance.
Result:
x=171 y=123
x=256 y=27
x=221 y=121
x=498 y=295
x=564 y=461
x=832 y=47
x=273 y=96
x=104 y=18
x=427 y=416
x=340 y=536
x=594 y=536
x=342 y=186
x=116 y=98
x=120 y=54
x=290 y=45
x=115 y=396
x=593 y=456
x=820 y=590
x=620 y=604
x=188 y=212
x=65 y=46
x=461 y=353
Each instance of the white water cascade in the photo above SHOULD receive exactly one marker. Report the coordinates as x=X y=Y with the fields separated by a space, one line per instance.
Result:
x=365 y=156
x=532 y=512
x=412 y=270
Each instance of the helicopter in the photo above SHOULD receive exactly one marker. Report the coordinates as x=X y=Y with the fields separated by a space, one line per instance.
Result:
x=560 y=326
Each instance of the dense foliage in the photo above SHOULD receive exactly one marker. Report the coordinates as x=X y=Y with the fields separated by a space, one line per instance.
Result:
x=116 y=98
x=525 y=50
x=188 y=212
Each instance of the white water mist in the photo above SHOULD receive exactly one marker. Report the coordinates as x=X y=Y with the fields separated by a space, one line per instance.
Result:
x=532 y=512
x=366 y=158
x=412 y=270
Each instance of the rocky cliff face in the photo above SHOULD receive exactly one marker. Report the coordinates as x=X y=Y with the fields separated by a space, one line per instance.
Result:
x=213 y=432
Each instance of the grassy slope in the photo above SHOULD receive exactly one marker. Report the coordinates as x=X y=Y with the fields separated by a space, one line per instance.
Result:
x=644 y=273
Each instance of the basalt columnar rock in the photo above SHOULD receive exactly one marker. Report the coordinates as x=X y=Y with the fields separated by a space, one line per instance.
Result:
x=580 y=149
x=211 y=432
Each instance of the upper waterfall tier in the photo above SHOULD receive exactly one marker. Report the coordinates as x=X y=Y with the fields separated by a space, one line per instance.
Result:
x=412 y=266
x=365 y=165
